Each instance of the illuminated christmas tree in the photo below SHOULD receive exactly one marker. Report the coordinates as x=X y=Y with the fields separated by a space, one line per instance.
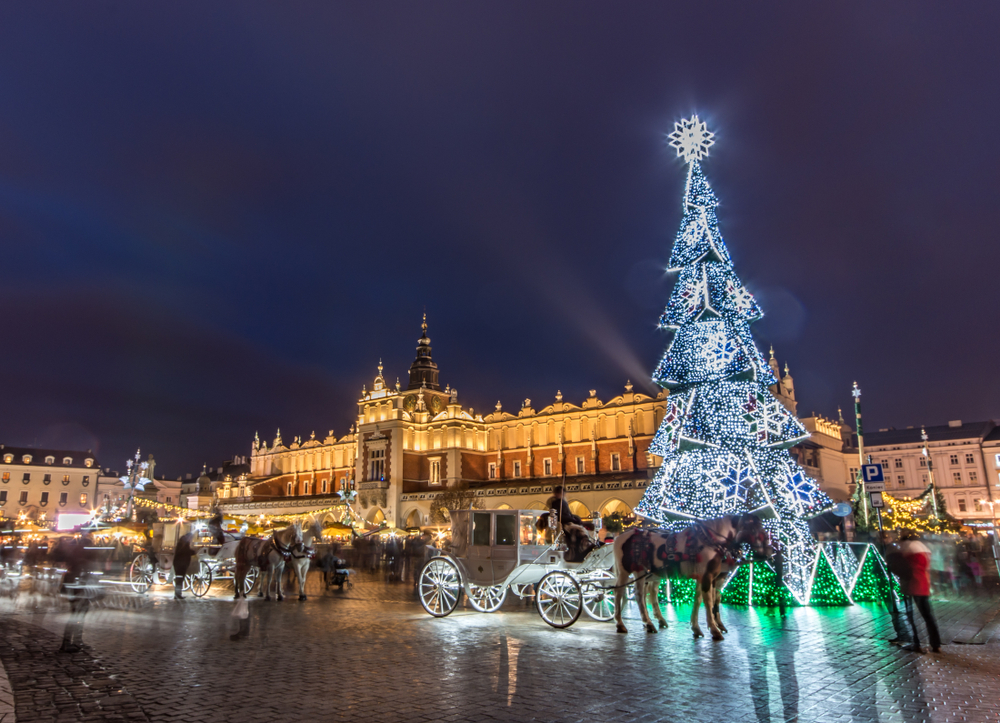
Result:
x=724 y=439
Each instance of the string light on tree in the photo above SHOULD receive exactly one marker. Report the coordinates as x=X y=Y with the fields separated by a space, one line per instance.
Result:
x=725 y=439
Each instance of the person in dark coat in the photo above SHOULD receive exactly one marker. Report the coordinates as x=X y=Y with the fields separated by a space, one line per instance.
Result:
x=78 y=557
x=917 y=588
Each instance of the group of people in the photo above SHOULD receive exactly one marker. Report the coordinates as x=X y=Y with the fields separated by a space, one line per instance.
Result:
x=399 y=558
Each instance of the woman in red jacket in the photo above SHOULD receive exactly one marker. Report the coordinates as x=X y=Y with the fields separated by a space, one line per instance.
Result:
x=918 y=587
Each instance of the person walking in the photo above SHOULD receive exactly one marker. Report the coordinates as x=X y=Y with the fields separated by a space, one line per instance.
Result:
x=78 y=557
x=917 y=587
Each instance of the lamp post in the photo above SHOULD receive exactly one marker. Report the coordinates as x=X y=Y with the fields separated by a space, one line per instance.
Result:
x=930 y=470
x=860 y=480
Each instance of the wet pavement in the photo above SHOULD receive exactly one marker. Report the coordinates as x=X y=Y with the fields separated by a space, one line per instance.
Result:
x=373 y=654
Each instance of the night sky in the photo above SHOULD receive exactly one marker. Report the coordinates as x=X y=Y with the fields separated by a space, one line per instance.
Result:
x=215 y=220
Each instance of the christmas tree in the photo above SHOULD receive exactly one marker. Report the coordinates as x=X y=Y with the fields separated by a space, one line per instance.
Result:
x=724 y=439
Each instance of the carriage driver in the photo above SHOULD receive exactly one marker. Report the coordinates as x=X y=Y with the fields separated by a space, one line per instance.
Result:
x=570 y=523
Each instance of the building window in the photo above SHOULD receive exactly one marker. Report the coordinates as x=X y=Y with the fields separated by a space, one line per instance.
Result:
x=376 y=464
x=88 y=462
x=973 y=477
x=290 y=489
x=969 y=459
x=517 y=468
x=581 y=466
x=46 y=479
x=854 y=474
x=978 y=505
x=306 y=487
x=616 y=463
x=547 y=466
x=961 y=504
x=27 y=477
x=83 y=499
x=900 y=481
x=957 y=477
x=45 y=499
x=326 y=486
x=65 y=479
x=50 y=459
x=86 y=480
x=8 y=458
x=923 y=478
x=435 y=472
x=63 y=498
x=169 y=500
x=3 y=497
x=493 y=470
x=996 y=462
x=343 y=483
x=67 y=460
x=26 y=459
x=953 y=459
x=923 y=461
x=6 y=476
x=24 y=497
x=897 y=463
x=885 y=464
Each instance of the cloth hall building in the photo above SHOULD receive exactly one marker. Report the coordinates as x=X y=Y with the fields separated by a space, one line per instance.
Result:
x=411 y=444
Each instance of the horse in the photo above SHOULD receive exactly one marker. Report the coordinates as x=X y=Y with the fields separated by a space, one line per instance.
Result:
x=302 y=556
x=269 y=555
x=702 y=552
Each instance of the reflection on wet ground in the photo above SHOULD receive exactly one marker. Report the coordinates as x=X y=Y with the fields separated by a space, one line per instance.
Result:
x=373 y=654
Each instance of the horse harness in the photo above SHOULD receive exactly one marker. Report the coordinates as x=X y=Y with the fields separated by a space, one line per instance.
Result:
x=285 y=552
x=640 y=554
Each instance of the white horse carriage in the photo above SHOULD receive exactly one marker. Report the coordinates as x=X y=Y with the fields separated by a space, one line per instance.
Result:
x=494 y=551
x=154 y=564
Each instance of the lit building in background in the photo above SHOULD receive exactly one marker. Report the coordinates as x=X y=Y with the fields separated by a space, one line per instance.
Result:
x=44 y=483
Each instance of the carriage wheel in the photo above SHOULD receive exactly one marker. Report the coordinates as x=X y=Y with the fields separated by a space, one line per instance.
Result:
x=440 y=586
x=599 y=596
x=140 y=573
x=201 y=581
x=250 y=580
x=486 y=599
x=559 y=599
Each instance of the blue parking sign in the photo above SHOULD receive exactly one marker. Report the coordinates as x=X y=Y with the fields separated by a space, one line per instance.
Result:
x=873 y=473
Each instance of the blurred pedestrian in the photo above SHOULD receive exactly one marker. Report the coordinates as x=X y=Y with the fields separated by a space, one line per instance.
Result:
x=898 y=567
x=78 y=556
x=917 y=588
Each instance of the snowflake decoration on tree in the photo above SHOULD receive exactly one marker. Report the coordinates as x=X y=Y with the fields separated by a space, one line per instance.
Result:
x=668 y=435
x=717 y=349
x=742 y=299
x=800 y=488
x=693 y=233
x=691 y=138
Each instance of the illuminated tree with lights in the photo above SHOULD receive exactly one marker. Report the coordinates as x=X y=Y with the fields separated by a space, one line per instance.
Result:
x=724 y=439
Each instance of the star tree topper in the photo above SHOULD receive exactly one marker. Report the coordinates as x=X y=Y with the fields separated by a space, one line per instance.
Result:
x=691 y=138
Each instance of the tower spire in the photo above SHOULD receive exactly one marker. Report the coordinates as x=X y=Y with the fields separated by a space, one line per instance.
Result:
x=424 y=371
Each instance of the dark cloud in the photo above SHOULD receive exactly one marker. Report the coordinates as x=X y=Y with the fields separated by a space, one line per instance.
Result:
x=215 y=220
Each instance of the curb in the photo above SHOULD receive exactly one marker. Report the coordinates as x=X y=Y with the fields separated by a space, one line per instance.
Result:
x=7 y=714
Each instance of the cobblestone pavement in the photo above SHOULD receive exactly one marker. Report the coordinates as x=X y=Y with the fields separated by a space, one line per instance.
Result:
x=372 y=654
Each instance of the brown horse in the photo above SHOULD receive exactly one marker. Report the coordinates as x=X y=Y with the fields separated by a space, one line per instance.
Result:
x=269 y=554
x=704 y=552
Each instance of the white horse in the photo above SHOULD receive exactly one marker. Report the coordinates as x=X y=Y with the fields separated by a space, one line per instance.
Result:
x=277 y=552
x=302 y=556
x=702 y=552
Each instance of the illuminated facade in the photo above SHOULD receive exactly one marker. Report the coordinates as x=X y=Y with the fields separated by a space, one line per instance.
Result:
x=44 y=483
